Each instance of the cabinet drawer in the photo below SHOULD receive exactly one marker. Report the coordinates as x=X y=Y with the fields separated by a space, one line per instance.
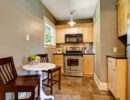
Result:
x=112 y=63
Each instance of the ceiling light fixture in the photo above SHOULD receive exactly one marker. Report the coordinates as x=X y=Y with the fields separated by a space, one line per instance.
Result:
x=72 y=22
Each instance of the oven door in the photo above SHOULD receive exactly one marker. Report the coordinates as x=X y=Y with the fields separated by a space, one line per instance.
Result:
x=73 y=63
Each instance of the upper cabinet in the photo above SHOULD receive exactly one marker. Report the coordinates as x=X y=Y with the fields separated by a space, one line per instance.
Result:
x=77 y=29
x=123 y=10
x=60 y=32
x=85 y=29
x=88 y=32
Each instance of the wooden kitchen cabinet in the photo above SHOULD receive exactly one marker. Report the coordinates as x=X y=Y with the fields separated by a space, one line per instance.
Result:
x=86 y=29
x=117 y=77
x=61 y=30
x=88 y=32
x=60 y=34
x=114 y=88
x=110 y=78
x=88 y=65
x=59 y=61
x=123 y=10
x=77 y=29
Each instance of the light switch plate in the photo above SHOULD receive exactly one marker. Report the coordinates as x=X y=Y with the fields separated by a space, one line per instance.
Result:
x=27 y=37
x=115 y=49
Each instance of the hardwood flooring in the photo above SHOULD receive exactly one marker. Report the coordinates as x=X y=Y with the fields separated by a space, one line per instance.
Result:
x=79 y=88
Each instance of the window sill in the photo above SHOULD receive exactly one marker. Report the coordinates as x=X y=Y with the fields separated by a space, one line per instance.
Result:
x=49 y=46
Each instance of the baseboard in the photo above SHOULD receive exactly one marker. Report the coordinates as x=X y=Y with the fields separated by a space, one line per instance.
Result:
x=101 y=85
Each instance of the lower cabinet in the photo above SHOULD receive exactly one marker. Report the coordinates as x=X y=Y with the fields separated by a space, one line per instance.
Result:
x=88 y=65
x=117 y=77
x=59 y=61
x=114 y=88
x=109 y=77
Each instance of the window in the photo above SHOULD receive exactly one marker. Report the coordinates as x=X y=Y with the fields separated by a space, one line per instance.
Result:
x=49 y=37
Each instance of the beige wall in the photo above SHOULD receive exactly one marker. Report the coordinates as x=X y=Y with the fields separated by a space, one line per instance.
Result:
x=109 y=33
x=96 y=37
x=18 y=18
x=105 y=36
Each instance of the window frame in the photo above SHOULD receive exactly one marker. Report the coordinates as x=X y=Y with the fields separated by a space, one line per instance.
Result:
x=48 y=23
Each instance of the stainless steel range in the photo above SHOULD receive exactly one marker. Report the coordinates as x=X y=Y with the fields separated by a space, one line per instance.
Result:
x=74 y=61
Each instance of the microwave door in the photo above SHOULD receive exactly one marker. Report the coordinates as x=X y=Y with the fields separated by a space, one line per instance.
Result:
x=80 y=40
x=71 y=40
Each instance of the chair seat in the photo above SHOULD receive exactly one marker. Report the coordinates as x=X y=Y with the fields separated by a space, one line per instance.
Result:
x=54 y=69
x=26 y=82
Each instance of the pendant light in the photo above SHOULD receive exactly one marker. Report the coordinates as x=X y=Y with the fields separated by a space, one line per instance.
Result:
x=72 y=22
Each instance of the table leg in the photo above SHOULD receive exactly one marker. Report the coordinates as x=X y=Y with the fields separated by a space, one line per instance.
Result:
x=43 y=96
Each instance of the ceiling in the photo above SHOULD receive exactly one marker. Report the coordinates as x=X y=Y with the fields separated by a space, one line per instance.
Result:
x=61 y=8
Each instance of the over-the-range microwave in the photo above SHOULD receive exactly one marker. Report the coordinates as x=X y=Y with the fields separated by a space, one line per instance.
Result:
x=73 y=38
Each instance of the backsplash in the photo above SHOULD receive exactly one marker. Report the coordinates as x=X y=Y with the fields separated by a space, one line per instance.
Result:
x=87 y=46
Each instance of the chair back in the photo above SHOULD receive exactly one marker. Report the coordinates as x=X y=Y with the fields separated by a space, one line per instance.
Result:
x=7 y=71
x=44 y=57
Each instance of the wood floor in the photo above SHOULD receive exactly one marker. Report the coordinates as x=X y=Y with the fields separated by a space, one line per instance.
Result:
x=77 y=88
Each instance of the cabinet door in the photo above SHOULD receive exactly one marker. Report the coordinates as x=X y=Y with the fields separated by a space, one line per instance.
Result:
x=77 y=29
x=60 y=35
x=59 y=61
x=74 y=30
x=123 y=10
x=88 y=32
x=126 y=12
x=114 y=81
x=119 y=20
x=88 y=65
x=109 y=77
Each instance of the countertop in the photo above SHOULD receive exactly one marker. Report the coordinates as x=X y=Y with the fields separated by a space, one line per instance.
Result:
x=73 y=54
x=117 y=56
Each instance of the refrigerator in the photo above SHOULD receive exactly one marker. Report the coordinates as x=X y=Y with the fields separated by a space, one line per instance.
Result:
x=128 y=55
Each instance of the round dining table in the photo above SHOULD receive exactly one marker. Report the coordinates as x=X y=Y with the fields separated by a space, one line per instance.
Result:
x=38 y=70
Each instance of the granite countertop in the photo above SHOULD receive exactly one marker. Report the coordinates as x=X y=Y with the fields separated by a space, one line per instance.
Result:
x=73 y=54
x=117 y=56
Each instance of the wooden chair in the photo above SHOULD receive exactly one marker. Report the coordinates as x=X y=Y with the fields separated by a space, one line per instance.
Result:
x=50 y=73
x=11 y=82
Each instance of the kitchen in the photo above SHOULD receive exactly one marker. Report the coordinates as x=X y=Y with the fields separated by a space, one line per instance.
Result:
x=92 y=49
x=87 y=39
x=73 y=48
